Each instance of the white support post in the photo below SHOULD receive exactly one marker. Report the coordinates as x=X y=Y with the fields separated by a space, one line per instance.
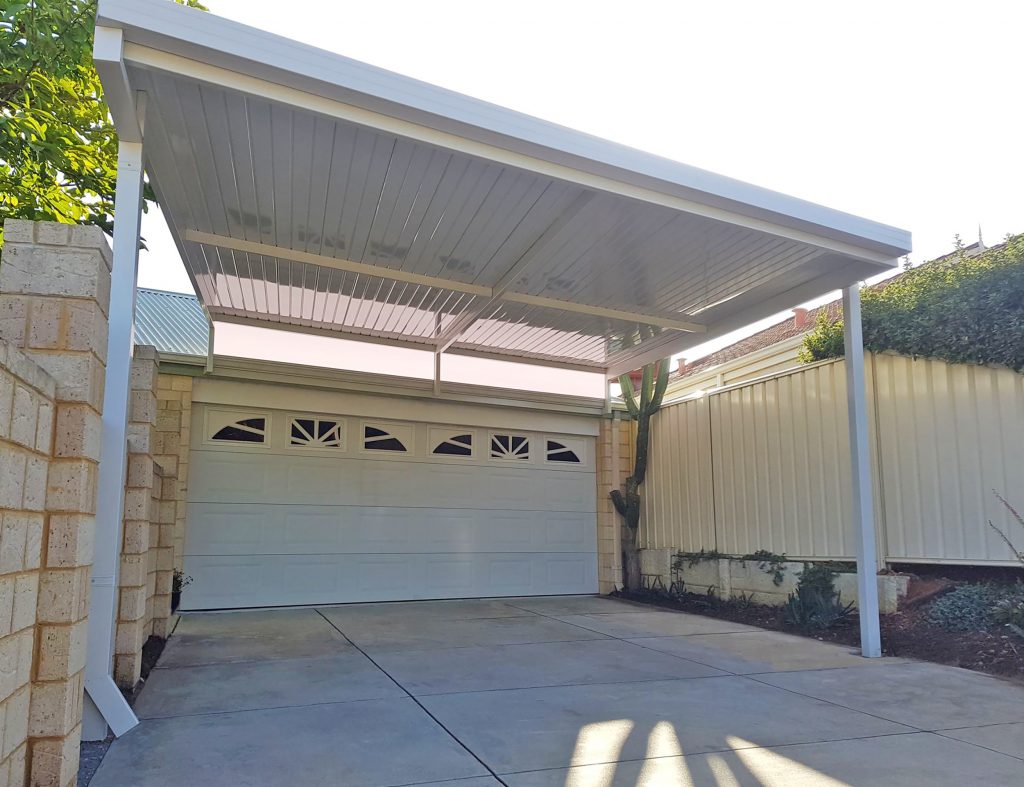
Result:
x=860 y=467
x=437 y=374
x=105 y=706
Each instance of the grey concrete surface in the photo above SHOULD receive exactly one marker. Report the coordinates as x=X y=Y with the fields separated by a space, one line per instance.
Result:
x=927 y=696
x=556 y=691
x=914 y=760
x=1004 y=738
x=748 y=653
x=628 y=625
x=531 y=729
x=218 y=688
x=263 y=635
x=358 y=743
x=532 y=665
x=381 y=636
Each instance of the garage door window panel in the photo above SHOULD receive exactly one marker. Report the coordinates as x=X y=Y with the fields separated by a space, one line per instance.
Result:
x=316 y=433
x=459 y=444
x=387 y=438
x=244 y=430
x=512 y=447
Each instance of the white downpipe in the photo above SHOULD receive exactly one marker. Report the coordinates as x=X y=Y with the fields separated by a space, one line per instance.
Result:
x=860 y=468
x=105 y=706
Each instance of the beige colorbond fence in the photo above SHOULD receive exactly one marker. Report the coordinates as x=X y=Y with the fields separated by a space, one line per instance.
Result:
x=766 y=465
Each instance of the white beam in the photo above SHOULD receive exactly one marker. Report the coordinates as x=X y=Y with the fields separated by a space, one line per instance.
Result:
x=754 y=309
x=642 y=318
x=108 y=706
x=350 y=266
x=108 y=57
x=860 y=467
x=529 y=257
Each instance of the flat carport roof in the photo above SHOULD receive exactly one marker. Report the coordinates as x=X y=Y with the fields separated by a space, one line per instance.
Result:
x=307 y=189
x=310 y=191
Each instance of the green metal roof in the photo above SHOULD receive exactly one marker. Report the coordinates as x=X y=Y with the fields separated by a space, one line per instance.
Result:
x=173 y=322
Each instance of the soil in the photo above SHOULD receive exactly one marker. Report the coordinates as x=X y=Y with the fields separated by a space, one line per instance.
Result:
x=151 y=651
x=904 y=633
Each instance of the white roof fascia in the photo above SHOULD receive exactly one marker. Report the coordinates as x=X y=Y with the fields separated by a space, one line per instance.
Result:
x=243 y=58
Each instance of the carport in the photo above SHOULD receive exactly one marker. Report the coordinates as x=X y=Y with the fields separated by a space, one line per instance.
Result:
x=312 y=193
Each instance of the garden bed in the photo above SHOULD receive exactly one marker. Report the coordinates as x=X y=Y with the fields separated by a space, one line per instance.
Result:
x=906 y=633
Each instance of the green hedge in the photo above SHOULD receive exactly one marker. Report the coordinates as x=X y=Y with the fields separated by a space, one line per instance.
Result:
x=962 y=310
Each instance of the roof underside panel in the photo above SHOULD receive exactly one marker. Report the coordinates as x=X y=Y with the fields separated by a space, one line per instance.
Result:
x=288 y=215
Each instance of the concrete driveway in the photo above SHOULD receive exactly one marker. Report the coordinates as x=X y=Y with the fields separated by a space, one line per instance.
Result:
x=549 y=691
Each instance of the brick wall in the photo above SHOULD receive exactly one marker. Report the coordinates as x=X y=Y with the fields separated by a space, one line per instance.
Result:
x=146 y=549
x=26 y=440
x=54 y=296
x=173 y=436
x=609 y=550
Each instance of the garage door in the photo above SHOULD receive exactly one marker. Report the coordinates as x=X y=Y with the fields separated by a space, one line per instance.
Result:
x=313 y=508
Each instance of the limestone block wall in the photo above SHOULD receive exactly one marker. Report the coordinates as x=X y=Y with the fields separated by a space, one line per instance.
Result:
x=735 y=577
x=173 y=436
x=140 y=601
x=26 y=444
x=614 y=463
x=54 y=297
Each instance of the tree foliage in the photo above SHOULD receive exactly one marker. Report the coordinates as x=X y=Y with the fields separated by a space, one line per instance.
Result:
x=962 y=310
x=58 y=147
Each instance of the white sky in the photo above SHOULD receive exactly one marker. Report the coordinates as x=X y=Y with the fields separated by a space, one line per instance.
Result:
x=903 y=112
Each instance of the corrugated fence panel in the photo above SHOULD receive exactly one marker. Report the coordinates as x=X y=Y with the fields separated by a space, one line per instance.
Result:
x=949 y=434
x=782 y=465
x=678 y=508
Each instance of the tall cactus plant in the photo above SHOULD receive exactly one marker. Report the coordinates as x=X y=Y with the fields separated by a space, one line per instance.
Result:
x=641 y=405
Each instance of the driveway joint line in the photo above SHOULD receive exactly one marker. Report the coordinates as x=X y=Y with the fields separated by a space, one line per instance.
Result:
x=830 y=702
x=665 y=679
x=414 y=699
x=270 y=708
x=975 y=743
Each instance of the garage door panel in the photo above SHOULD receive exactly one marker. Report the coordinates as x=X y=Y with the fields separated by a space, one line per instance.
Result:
x=268 y=525
x=276 y=580
x=227 y=529
x=271 y=479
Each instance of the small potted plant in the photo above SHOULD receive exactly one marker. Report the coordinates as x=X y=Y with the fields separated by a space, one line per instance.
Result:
x=179 y=582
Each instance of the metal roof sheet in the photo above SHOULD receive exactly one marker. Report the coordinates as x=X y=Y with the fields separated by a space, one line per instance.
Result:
x=173 y=322
x=306 y=189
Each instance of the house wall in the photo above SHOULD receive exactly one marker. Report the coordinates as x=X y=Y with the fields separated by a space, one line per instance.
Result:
x=54 y=296
x=777 y=358
x=615 y=443
x=171 y=451
x=765 y=465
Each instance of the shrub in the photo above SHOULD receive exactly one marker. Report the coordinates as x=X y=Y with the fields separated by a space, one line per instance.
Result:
x=970 y=607
x=824 y=342
x=1009 y=612
x=816 y=605
x=962 y=309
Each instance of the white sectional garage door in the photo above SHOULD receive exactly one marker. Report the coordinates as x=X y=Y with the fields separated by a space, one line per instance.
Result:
x=301 y=508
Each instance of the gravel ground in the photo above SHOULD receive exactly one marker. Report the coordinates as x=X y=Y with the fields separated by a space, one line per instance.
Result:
x=90 y=757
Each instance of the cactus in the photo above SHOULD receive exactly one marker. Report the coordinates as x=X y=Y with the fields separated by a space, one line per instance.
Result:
x=627 y=500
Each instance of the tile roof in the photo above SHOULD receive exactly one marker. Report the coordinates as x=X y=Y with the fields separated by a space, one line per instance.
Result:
x=173 y=322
